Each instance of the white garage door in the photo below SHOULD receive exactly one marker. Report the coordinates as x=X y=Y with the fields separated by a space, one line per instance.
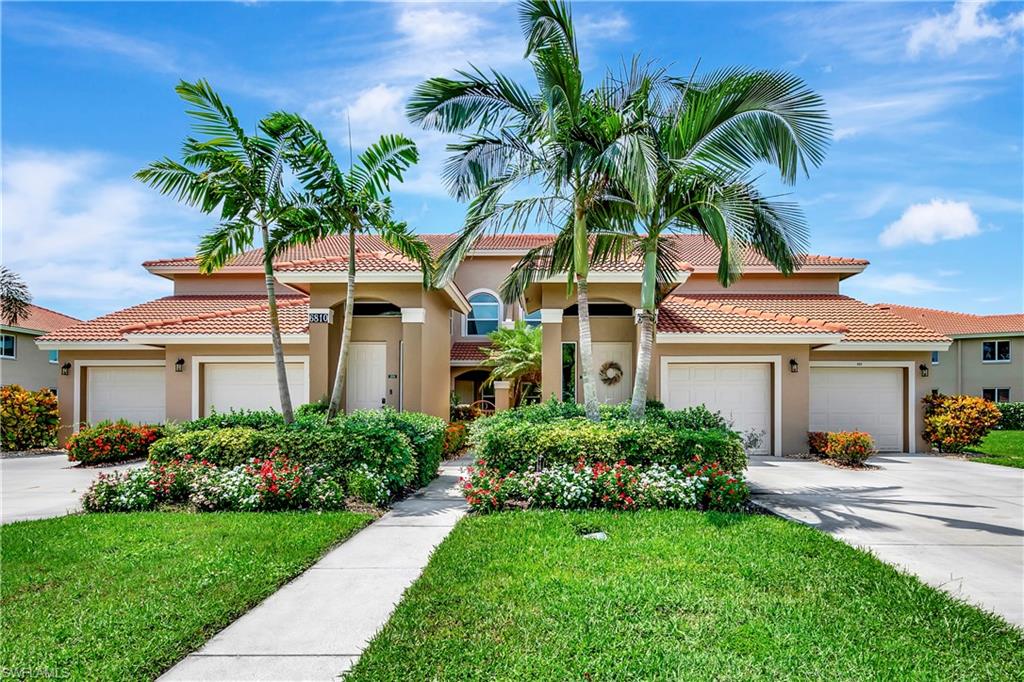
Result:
x=132 y=393
x=249 y=386
x=741 y=392
x=859 y=399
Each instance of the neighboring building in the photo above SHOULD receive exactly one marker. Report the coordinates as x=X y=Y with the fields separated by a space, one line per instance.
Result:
x=21 y=362
x=987 y=355
x=777 y=355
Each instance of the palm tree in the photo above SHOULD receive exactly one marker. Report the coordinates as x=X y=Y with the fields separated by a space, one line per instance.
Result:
x=571 y=142
x=240 y=176
x=14 y=297
x=515 y=356
x=349 y=203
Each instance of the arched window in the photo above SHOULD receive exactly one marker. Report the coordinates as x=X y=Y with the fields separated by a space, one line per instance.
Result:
x=485 y=314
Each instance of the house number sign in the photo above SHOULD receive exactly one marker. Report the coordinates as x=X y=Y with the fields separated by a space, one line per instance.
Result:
x=319 y=316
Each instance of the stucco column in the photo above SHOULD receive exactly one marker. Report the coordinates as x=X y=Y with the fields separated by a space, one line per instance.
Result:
x=551 y=363
x=412 y=358
x=502 y=395
x=320 y=356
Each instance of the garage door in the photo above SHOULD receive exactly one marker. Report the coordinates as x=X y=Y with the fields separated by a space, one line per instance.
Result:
x=859 y=399
x=132 y=393
x=741 y=392
x=249 y=386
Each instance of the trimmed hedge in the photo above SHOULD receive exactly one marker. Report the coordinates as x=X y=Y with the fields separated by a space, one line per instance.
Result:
x=553 y=433
x=253 y=419
x=427 y=436
x=28 y=419
x=1013 y=416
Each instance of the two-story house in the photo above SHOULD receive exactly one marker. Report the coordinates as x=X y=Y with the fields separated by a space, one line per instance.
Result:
x=986 y=358
x=777 y=355
x=21 y=362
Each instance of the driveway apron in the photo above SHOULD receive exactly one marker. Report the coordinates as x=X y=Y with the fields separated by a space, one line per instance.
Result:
x=957 y=525
x=315 y=627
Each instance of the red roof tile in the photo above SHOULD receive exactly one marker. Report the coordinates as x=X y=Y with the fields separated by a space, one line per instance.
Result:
x=827 y=312
x=469 y=351
x=44 y=319
x=194 y=314
x=955 y=324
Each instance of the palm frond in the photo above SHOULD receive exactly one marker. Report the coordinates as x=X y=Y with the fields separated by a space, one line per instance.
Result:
x=398 y=236
x=213 y=117
x=219 y=246
x=386 y=159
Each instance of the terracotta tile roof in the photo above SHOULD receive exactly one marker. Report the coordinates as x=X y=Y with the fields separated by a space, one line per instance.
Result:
x=686 y=315
x=864 y=323
x=44 y=319
x=195 y=314
x=469 y=351
x=955 y=324
x=331 y=253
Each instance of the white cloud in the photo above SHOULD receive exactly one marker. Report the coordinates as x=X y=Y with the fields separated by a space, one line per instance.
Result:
x=900 y=283
x=608 y=25
x=938 y=220
x=436 y=27
x=967 y=23
x=77 y=233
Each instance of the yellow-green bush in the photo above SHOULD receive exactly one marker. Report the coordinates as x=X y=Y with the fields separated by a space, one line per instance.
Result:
x=28 y=419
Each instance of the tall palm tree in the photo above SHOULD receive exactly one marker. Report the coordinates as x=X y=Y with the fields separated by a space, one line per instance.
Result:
x=563 y=138
x=350 y=203
x=240 y=176
x=14 y=297
x=515 y=356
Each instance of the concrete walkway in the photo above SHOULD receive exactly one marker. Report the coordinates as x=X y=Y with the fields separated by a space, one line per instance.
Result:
x=956 y=525
x=315 y=627
x=41 y=486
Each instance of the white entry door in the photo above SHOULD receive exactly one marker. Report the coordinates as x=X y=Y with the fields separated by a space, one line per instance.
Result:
x=866 y=399
x=366 y=379
x=132 y=393
x=740 y=391
x=622 y=353
x=249 y=386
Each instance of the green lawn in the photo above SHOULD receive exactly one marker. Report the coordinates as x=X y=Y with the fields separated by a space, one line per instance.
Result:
x=1005 y=448
x=675 y=595
x=124 y=596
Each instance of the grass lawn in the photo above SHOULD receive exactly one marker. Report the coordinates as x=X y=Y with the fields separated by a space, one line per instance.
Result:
x=675 y=595
x=125 y=596
x=1001 y=447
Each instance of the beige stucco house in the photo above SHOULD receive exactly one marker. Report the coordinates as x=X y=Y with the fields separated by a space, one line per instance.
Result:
x=21 y=361
x=777 y=355
x=986 y=357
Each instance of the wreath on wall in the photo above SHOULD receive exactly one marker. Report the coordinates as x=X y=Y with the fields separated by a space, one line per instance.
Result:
x=610 y=373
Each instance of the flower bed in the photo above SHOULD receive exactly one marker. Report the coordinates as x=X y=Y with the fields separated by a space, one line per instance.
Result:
x=599 y=485
x=108 y=442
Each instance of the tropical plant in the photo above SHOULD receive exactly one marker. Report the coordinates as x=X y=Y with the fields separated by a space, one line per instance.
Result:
x=515 y=356
x=14 y=297
x=240 y=176
x=567 y=140
x=348 y=203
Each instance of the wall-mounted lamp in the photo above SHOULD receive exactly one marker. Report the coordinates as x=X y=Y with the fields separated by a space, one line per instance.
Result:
x=794 y=366
x=65 y=369
x=923 y=369
x=179 y=366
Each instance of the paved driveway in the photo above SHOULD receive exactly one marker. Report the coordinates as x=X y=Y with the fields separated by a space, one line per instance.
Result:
x=38 y=487
x=957 y=525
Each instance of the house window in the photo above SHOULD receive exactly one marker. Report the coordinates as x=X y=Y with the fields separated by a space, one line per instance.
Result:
x=8 y=346
x=53 y=357
x=484 y=315
x=569 y=372
x=935 y=357
x=996 y=395
x=532 y=319
x=995 y=351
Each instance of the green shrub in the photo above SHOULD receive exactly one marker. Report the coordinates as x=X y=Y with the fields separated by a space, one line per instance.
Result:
x=427 y=435
x=179 y=446
x=108 y=442
x=28 y=419
x=121 y=491
x=223 y=447
x=455 y=439
x=952 y=423
x=694 y=418
x=253 y=419
x=1013 y=416
x=850 y=447
x=366 y=485
x=319 y=408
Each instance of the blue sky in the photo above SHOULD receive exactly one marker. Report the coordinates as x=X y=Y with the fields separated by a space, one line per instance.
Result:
x=924 y=177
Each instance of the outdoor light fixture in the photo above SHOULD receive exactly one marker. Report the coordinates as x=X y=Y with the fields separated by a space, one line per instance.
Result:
x=924 y=370
x=794 y=366
x=65 y=369
x=179 y=366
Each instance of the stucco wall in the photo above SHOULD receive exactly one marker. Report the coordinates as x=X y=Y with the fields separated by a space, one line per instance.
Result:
x=484 y=272
x=225 y=283
x=30 y=368
x=755 y=283
x=960 y=369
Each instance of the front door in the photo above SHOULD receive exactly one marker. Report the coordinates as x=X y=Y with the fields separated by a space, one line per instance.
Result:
x=621 y=354
x=366 y=379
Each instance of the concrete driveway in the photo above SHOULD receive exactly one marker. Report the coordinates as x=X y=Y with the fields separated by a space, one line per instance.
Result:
x=41 y=486
x=956 y=525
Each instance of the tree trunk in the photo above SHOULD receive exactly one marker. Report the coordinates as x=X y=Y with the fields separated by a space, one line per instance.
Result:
x=346 y=328
x=581 y=264
x=647 y=315
x=275 y=327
